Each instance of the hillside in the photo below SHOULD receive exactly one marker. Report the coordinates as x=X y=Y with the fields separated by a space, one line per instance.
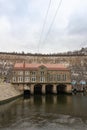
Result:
x=76 y=61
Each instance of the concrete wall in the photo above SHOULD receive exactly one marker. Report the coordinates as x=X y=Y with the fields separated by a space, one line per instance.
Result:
x=67 y=89
x=8 y=92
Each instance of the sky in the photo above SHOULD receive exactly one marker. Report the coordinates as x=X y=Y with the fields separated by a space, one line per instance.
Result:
x=21 y=23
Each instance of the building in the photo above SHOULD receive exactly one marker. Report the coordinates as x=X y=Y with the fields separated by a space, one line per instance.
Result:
x=42 y=78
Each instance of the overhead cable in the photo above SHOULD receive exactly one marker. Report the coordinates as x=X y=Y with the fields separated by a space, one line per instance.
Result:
x=44 y=24
x=59 y=4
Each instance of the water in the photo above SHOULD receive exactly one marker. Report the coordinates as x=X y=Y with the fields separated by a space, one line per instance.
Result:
x=63 y=112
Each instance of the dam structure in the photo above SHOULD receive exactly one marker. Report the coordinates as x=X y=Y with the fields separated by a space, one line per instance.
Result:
x=41 y=78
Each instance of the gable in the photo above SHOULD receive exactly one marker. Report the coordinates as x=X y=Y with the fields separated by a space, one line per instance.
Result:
x=42 y=67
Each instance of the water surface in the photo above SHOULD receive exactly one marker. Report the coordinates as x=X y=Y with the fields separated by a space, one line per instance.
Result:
x=62 y=112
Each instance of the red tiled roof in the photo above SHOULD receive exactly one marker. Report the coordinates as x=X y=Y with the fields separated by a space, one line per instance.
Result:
x=18 y=65
x=36 y=66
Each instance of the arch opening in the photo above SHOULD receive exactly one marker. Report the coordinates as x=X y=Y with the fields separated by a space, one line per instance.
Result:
x=49 y=89
x=26 y=93
x=38 y=89
x=61 y=89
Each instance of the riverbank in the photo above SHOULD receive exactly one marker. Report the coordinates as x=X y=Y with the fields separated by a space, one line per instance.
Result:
x=8 y=93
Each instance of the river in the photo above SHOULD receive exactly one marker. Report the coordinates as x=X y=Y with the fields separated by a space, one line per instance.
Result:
x=51 y=112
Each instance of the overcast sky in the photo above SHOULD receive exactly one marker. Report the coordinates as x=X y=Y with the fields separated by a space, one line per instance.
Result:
x=21 y=23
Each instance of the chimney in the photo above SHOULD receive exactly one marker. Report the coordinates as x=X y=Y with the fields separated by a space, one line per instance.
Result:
x=24 y=65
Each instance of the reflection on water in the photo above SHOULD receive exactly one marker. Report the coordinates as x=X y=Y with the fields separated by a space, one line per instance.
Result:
x=62 y=112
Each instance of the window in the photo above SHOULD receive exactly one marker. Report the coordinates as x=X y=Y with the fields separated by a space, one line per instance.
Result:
x=33 y=73
x=27 y=79
x=64 y=77
x=33 y=79
x=58 y=77
x=42 y=73
x=54 y=77
x=50 y=77
x=14 y=79
x=20 y=72
x=27 y=72
x=20 y=79
x=42 y=79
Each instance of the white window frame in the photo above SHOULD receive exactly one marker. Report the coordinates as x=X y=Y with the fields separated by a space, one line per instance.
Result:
x=20 y=79
x=33 y=73
x=42 y=79
x=14 y=79
x=27 y=79
x=27 y=72
x=33 y=79
x=20 y=72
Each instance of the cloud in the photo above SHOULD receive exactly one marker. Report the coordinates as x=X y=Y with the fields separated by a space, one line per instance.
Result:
x=21 y=23
x=4 y=25
x=78 y=24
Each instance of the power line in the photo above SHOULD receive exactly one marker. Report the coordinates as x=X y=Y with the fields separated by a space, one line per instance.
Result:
x=52 y=21
x=44 y=24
